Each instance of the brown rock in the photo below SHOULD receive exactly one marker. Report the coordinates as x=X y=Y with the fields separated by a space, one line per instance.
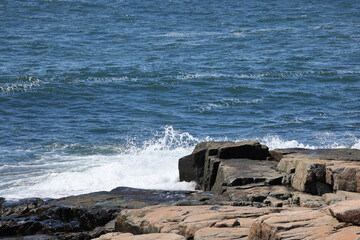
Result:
x=305 y=173
x=344 y=176
x=347 y=211
x=303 y=224
x=221 y=234
x=275 y=156
x=310 y=201
x=129 y=236
x=185 y=220
x=348 y=233
x=258 y=193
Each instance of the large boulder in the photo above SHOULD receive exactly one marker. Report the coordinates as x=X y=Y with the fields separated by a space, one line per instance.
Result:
x=197 y=165
x=305 y=173
x=322 y=170
x=191 y=167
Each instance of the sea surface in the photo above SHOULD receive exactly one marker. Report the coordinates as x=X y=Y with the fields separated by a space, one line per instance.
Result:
x=96 y=94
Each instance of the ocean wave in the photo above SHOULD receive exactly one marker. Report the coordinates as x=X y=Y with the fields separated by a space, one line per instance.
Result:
x=152 y=165
x=60 y=171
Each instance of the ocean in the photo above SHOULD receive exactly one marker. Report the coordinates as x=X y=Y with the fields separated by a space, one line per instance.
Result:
x=97 y=94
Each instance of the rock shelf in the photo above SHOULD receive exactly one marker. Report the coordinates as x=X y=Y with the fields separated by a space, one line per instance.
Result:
x=244 y=191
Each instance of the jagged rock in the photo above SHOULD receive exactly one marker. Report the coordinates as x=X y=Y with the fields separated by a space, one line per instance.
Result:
x=210 y=171
x=347 y=211
x=198 y=167
x=344 y=176
x=184 y=220
x=273 y=202
x=191 y=167
x=305 y=173
x=303 y=224
x=274 y=196
x=322 y=171
x=23 y=207
x=310 y=201
x=151 y=236
x=76 y=217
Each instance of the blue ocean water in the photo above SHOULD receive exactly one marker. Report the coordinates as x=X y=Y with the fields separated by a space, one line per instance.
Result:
x=97 y=94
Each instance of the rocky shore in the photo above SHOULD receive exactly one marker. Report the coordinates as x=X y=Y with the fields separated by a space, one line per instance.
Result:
x=244 y=191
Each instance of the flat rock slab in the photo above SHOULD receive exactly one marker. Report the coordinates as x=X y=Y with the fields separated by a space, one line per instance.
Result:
x=343 y=154
x=75 y=216
x=347 y=233
x=151 y=236
x=259 y=194
x=347 y=211
x=303 y=224
x=187 y=220
x=221 y=233
x=238 y=172
x=124 y=197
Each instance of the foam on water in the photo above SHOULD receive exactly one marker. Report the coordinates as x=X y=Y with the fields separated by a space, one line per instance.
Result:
x=152 y=165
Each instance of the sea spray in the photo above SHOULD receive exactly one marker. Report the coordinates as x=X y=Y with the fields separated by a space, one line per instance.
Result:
x=153 y=165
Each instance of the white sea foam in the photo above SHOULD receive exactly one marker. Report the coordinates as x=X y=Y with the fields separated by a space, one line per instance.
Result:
x=274 y=142
x=153 y=165
x=22 y=86
x=356 y=145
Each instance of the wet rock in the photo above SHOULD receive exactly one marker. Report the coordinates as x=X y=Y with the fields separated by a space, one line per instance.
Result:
x=23 y=207
x=200 y=167
x=346 y=211
x=77 y=217
x=191 y=167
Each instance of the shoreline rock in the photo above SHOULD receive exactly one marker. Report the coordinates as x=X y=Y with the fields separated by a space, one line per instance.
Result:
x=245 y=192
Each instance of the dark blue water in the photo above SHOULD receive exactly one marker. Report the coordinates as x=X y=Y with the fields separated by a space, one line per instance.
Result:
x=91 y=90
